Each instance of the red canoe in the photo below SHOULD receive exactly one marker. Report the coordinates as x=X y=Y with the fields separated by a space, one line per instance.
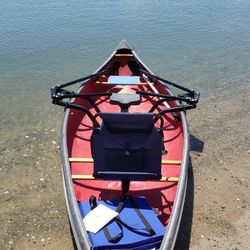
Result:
x=123 y=89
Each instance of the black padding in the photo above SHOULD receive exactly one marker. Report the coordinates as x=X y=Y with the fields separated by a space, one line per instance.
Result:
x=127 y=147
x=125 y=100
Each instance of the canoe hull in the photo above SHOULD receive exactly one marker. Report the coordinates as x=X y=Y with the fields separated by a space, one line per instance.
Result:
x=73 y=195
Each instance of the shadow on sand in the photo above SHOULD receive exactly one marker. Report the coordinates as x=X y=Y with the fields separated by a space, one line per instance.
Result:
x=196 y=144
x=184 y=234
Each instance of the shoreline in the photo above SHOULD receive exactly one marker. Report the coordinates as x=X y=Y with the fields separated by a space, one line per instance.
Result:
x=216 y=212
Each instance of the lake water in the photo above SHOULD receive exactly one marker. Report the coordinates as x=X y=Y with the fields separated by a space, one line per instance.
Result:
x=203 y=44
x=200 y=43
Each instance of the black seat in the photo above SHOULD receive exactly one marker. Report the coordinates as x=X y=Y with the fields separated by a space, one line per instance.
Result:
x=125 y=100
x=127 y=147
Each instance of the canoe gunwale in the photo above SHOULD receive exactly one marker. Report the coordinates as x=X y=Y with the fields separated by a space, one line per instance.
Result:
x=79 y=232
x=78 y=228
x=175 y=217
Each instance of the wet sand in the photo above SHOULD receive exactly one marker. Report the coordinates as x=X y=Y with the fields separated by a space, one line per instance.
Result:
x=216 y=213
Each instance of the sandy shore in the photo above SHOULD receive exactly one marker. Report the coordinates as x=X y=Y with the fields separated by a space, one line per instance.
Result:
x=216 y=213
x=218 y=194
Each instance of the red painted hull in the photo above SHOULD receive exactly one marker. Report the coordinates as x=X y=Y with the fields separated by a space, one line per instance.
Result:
x=77 y=130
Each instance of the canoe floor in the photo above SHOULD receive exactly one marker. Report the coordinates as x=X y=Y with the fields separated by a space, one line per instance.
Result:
x=160 y=195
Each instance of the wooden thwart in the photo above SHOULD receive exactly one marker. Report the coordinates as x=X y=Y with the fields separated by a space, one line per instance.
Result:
x=139 y=83
x=124 y=55
x=170 y=162
x=82 y=177
x=91 y=177
x=85 y=160
x=90 y=160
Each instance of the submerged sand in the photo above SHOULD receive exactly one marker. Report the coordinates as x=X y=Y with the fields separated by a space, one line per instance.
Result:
x=216 y=213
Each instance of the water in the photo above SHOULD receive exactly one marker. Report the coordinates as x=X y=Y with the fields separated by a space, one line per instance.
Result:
x=204 y=44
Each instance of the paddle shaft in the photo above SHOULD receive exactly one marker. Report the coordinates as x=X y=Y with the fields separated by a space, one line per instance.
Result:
x=153 y=88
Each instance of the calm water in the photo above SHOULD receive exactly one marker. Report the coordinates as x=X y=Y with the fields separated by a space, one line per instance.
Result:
x=204 y=44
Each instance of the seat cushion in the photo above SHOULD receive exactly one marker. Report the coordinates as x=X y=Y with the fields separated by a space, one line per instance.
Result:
x=128 y=146
x=130 y=239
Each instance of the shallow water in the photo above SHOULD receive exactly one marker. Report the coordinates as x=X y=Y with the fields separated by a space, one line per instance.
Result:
x=203 y=44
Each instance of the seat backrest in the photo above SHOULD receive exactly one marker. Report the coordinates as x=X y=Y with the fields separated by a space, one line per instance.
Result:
x=127 y=147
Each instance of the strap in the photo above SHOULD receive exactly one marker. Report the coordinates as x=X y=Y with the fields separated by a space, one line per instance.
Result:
x=114 y=239
x=92 y=202
x=146 y=231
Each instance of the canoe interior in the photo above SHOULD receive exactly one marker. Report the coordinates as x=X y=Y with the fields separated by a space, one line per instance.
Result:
x=160 y=195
